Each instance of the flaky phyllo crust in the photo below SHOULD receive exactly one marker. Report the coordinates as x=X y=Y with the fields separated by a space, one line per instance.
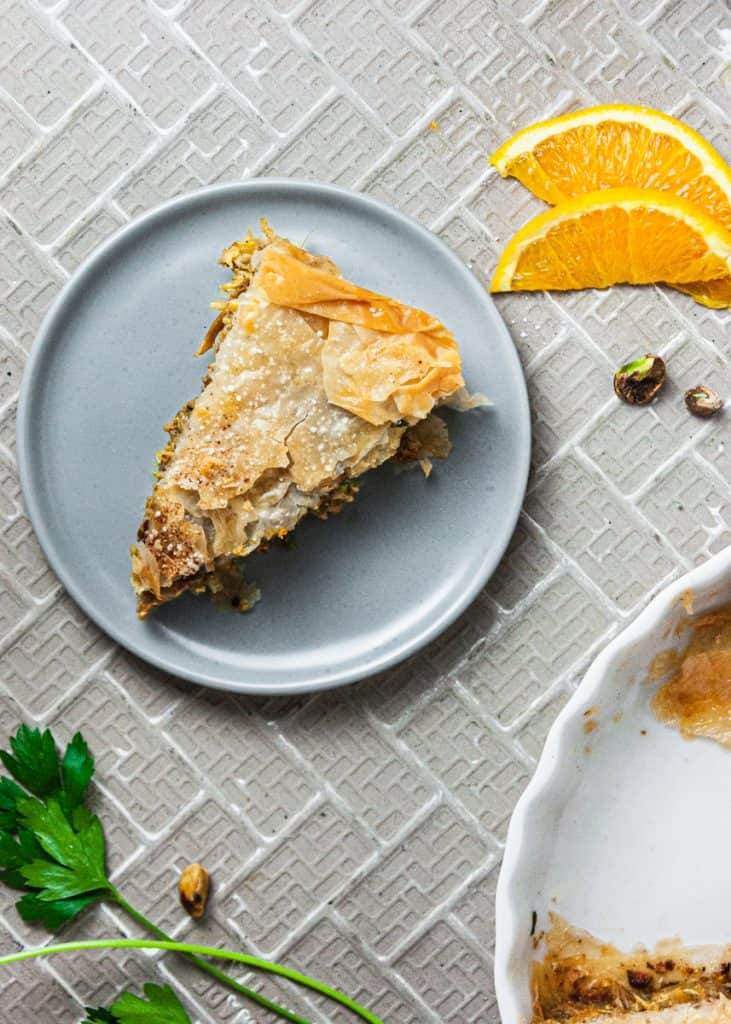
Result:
x=315 y=381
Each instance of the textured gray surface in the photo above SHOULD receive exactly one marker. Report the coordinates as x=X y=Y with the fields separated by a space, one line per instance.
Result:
x=357 y=835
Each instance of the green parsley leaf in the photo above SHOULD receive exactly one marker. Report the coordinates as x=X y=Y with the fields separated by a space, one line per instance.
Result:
x=13 y=879
x=54 y=914
x=99 y=1016
x=77 y=769
x=15 y=852
x=12 y=854
x=10 y=793
x=161 y=1006
x=35 y=764
x=52 y=846
x=77 y=857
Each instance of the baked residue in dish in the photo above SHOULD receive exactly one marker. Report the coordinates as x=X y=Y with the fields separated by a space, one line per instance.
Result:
x=697 y=697
x=584 y=979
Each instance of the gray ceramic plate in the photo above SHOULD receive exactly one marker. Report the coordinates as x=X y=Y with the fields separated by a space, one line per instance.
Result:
x=113 y=362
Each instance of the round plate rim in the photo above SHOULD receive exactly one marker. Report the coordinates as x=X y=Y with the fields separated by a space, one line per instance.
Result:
x=44 y=340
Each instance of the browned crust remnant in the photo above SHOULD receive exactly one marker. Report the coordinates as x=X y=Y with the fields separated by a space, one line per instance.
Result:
x=696 y=699
x=584 y=979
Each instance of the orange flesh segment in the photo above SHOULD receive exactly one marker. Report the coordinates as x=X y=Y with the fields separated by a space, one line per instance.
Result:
x=620 y=153
x=624 y=236
x=617 y=145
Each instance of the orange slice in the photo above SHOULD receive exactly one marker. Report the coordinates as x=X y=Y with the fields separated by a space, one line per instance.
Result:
x=616 y=146
x=716 y=294
x=616 y=236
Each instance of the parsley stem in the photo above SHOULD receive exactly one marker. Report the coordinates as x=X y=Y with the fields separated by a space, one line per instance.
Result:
x=208 y=968
x=194 y=952
x=256 y=962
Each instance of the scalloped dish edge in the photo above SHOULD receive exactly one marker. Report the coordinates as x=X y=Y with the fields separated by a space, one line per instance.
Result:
x=699 y=581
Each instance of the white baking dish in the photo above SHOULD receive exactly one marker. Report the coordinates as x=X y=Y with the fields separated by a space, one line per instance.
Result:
x=623 y=832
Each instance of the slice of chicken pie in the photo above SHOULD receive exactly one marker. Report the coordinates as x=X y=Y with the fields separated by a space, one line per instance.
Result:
x=315 y=381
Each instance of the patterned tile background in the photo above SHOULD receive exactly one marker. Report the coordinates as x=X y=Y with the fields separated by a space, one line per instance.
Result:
x=357 y=836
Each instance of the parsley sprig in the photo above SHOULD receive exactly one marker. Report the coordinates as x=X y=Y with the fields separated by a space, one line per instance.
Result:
x=51 y=846
x=52 y=849
x=160 y=1005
